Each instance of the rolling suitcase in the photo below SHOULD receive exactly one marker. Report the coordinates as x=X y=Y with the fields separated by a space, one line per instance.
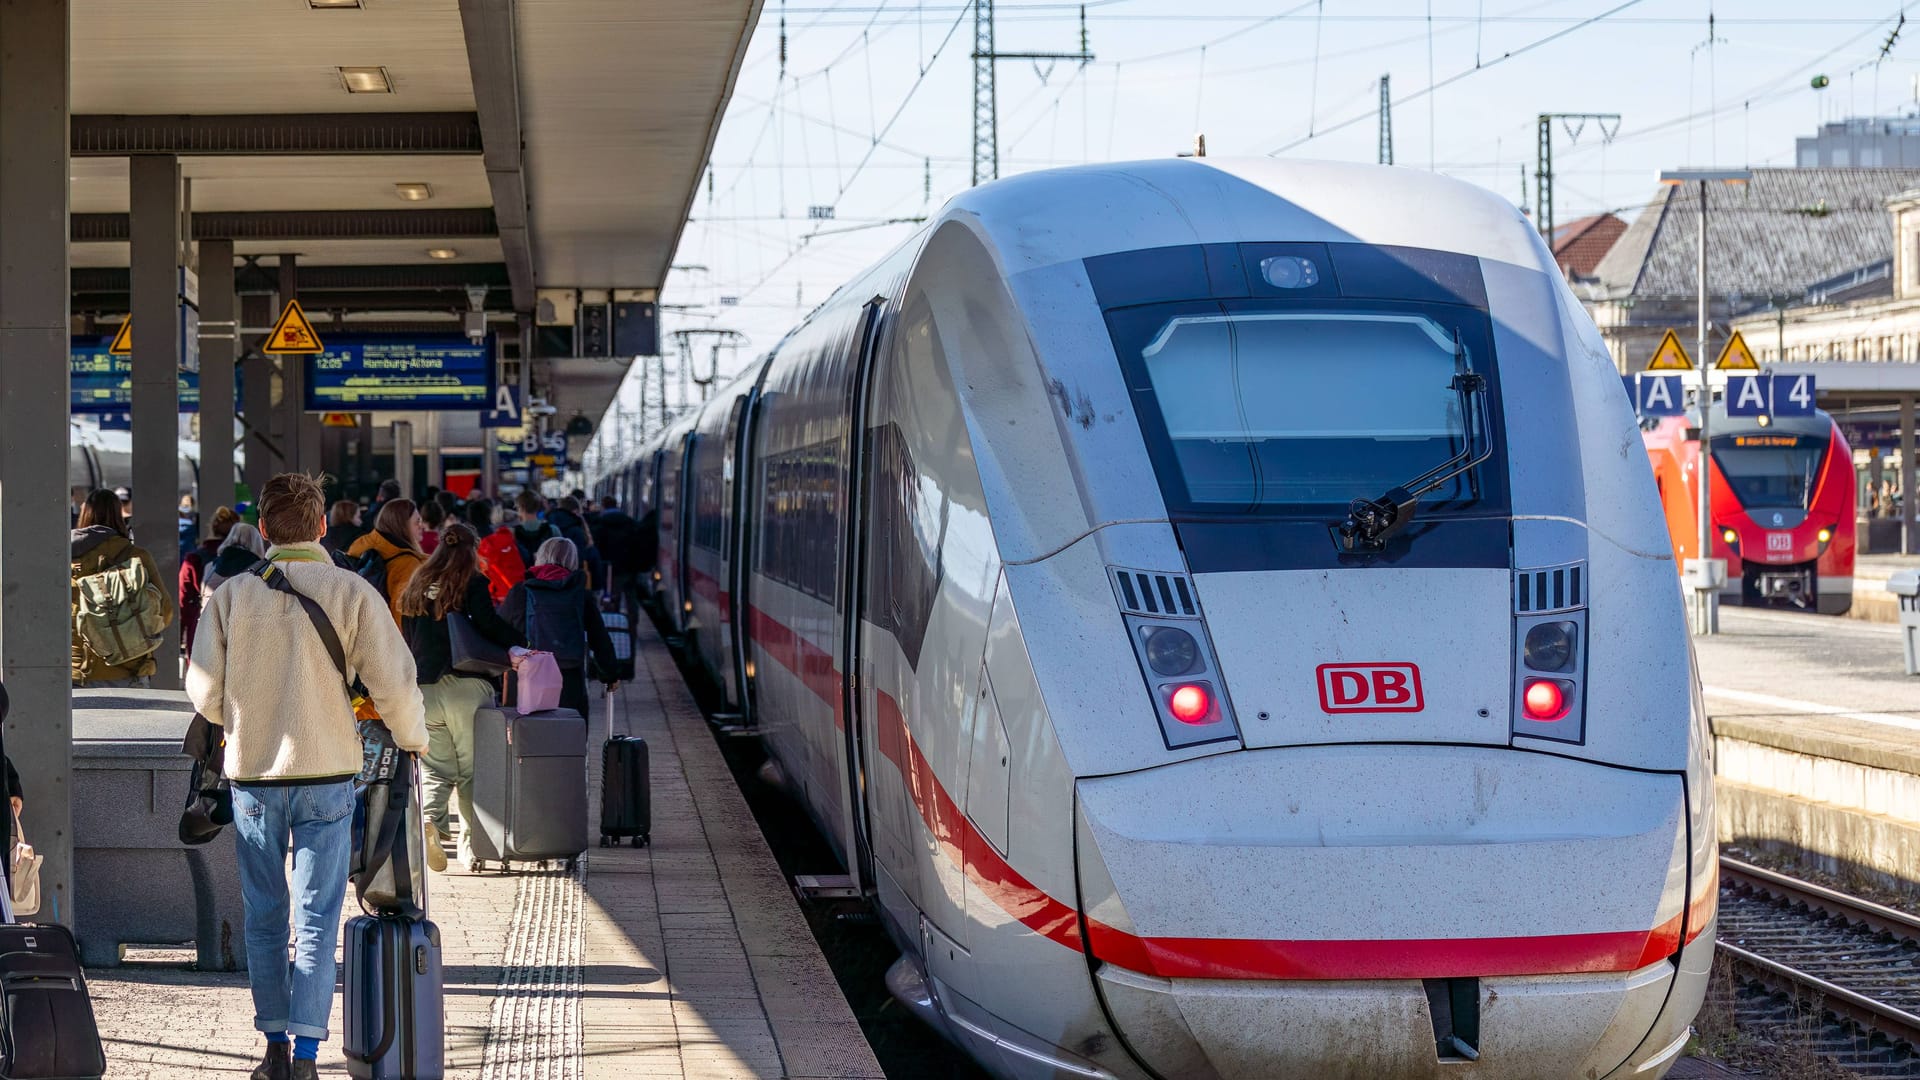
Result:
x=395 y=1018
x=621 y=631
x=529 y=786
x=626 y=796
x=47 y=1030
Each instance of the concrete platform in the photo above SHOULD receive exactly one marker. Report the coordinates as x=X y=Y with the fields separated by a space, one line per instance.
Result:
x=687 y=960
x=1817 y=734
x=1871 y=600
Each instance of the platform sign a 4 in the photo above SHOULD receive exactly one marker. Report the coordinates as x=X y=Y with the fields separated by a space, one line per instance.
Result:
x=1793 y=395
x=1659 y=395
x=1747 y=395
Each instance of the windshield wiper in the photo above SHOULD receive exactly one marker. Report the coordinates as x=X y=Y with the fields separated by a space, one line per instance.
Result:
x=1370 y=523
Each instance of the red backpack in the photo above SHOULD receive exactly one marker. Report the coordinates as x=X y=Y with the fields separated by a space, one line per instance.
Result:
x=500 y=558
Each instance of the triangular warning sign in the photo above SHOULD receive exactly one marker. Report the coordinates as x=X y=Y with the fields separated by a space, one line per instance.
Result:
x=1670 y=356
x=1736 y=356
x=339 y=419
x=123 y=341
x=293 y=335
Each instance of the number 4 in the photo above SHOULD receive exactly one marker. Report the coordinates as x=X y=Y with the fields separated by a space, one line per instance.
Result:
x=1801 y=394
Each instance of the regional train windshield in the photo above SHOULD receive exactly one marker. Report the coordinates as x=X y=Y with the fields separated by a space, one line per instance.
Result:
x=1771 y=471
x=1266 y=408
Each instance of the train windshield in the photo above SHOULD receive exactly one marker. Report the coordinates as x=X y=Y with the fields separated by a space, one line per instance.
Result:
x=1771 y=472
x=1281 y=409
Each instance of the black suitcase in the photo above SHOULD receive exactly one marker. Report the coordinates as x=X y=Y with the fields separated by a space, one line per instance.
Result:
x=626 y=801
x=395 y=1018
x=47 y=1030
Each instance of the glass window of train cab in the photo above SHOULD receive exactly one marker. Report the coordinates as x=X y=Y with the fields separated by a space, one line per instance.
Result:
x=1776 y=470
x=1296 y=408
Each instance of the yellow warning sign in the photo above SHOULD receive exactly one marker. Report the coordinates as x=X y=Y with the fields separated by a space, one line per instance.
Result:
x=293 y=335
x=1736 y=356
x=123 y=341
x=1670 y=356
x=338 y=419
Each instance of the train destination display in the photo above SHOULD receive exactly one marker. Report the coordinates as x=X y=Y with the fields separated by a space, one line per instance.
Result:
x=101 y=382
x=370 y=373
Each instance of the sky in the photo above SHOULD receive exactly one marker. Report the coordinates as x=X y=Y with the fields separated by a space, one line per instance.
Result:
x=869 y=117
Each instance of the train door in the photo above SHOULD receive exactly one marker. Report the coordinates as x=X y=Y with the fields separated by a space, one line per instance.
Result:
x=726 y=637
x=742 y=484
x=683 y=495
x=856 y=688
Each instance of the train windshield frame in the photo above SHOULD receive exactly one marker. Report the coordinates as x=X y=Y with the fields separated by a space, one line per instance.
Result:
x=1772 y=471
x=1283 y=408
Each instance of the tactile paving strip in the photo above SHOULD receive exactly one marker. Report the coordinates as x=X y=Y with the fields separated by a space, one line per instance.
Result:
x=535 y=1024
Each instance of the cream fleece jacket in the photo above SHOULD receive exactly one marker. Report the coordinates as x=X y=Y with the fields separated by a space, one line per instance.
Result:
x=259 y=670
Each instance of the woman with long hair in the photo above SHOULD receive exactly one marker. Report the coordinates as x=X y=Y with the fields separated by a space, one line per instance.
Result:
x=557 y=612
x=395 y=541
x=243 y=547
x=100 y=543
x=450 y=583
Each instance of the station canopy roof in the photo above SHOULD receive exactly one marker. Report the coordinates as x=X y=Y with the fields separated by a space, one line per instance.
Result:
x=559 y=142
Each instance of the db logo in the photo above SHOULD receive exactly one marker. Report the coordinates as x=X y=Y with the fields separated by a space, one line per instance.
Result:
x=1370 y=688
x=1780 y=541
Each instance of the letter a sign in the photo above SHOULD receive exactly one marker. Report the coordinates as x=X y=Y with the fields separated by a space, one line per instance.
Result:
x=293 y=335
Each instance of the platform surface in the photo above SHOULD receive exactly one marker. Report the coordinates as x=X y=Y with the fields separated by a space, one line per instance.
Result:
x=1823 y=686
x=687 y=960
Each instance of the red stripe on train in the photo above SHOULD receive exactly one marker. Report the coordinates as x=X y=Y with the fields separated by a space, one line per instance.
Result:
x=1210 y=958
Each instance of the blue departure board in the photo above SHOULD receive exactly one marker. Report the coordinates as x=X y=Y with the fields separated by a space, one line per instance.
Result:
x=101 y=382
x=368 y=373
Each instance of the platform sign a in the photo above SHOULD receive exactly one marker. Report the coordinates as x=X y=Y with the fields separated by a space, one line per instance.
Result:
x=1670 y=356
x=1659 y=395
x=506 y=409
x=1736 y=356
x=1793 y=395
x=292 y=335
x=1748 y=395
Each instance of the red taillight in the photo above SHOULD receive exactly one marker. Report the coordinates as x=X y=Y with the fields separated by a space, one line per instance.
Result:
x=1545 y=699
x=1190 y=704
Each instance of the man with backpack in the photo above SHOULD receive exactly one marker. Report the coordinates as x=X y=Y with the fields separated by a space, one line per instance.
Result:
x=263 y=671
x=120 y=610
x=533 y=529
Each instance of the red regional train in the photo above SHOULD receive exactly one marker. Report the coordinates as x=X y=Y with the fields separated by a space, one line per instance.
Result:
x=1783 y=505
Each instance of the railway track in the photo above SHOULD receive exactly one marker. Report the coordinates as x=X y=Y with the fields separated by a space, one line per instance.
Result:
x=1832 y=952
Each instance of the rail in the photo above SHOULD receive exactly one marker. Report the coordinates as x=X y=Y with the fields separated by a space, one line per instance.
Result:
x=1809 y=986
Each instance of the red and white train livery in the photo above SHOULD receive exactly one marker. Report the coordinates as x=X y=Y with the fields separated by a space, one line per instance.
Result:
x=1218 y=613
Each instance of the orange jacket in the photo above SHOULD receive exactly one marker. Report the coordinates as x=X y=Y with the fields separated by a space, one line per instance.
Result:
x=401 y=565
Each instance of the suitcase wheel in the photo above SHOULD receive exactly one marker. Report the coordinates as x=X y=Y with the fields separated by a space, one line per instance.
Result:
x=573 y=864
x=479 y=866
x=642 y=840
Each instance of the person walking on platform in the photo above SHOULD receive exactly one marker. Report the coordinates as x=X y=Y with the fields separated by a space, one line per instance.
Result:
x=193 y=573
x=389 y=555
x=618 y=537
x=433 y=518
x=261 y=671
x=120 y=607
x=343 y=526
x=243 y=548
x=533 y=529
x=499 y=553
x=450 y=583
x=554 y=611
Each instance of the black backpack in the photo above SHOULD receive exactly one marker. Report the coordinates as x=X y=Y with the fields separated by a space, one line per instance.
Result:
x=373 y=571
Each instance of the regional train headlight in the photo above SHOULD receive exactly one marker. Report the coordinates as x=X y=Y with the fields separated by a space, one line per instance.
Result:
x=1172 y=651
x=1549 y=646
x=1730 y=536
x=1824 y=535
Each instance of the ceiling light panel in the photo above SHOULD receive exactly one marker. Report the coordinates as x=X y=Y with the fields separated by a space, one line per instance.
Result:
x=366 y=80
x=318 y=5
x=441 y=253
x=414 y=192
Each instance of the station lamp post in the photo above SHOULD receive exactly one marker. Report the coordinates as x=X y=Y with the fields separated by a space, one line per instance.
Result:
x=1704 y=573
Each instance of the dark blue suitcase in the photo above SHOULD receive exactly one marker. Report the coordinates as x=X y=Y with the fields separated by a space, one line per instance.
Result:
x=395 y=1025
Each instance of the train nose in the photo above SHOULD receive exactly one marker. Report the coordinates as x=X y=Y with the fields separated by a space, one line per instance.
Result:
x=1347 y=911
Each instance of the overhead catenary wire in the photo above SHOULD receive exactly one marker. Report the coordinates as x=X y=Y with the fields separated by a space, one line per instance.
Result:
x=1451 y=79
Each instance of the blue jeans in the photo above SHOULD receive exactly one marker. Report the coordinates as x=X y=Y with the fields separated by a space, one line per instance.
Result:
x=316 y=822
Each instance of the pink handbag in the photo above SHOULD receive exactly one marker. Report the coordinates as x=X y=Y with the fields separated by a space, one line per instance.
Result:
x=537 y=676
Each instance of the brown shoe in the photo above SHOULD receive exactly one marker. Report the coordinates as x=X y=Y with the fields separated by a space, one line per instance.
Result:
x=304 y=1070
x=436 y=853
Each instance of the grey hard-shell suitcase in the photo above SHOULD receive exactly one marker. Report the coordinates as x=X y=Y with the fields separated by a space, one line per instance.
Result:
x=529 y=786
x=395 y=1018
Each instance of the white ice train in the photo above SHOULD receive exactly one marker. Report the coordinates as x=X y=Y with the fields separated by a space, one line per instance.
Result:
x=1219 y=613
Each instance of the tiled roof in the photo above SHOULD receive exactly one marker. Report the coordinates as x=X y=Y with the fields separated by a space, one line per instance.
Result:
x=1777 y=234
x=1578 y=246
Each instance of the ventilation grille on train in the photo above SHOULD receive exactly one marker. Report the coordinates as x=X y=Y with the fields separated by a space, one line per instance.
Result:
x=1555 y=588
x=1145 y=593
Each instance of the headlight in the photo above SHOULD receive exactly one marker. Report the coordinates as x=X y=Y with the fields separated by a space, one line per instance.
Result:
x=1172 y=651
x=1824 y=535
x=1729 y=536
x=1549 y=646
